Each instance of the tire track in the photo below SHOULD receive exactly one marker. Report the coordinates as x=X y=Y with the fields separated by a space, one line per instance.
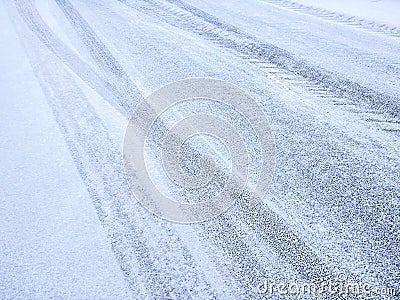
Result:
x=184 y=16
x=368 y=25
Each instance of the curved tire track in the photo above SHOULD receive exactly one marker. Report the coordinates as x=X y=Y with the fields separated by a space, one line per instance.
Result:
x=27 y=10
x=112 y=70
x=97 y=161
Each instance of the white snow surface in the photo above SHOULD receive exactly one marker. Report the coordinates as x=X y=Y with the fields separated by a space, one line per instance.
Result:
x=71 y=228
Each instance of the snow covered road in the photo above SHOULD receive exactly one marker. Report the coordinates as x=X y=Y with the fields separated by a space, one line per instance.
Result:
x=328 y=80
